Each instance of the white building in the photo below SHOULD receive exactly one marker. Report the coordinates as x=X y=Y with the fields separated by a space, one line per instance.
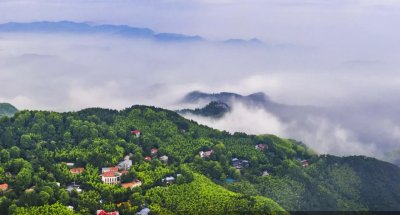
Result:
x=111 y=177
x=164 y=159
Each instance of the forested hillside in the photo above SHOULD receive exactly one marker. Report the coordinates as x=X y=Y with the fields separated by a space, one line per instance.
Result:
x=53 y=160
x=7 y=109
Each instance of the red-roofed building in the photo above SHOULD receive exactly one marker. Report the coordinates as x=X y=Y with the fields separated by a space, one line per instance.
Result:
x=153 y=151
x=111 y=177
x=136 y=132
x=110 y=169
x=132 y=184
x=77 y=170
x=304 y=163
x=103 y=212
x=147 y=158
x=3 y=187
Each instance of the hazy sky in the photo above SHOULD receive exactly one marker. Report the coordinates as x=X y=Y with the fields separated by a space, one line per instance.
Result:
x=338 y=54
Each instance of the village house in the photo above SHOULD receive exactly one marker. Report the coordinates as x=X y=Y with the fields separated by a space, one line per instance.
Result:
x=265 y=173
x=136 y=133
x=168 y=179
x=111 y=177
x=206 y=154
x=153 y=151
x=144 y=211
x=131 y=185
x=239 y=164
x=261 y=147
x=75 y=171
x=147 y=158
x=74 y=186
x=125 y=164
x=3 y=187
x=164 y=159
x=103 y=212
x=304 y=163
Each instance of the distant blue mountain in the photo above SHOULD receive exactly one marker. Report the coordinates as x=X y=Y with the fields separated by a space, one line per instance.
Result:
x=84 y=28
x=118 y=30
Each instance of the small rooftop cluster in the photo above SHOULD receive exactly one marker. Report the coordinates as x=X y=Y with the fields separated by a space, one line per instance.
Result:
x=239 y=164
x=206 y=154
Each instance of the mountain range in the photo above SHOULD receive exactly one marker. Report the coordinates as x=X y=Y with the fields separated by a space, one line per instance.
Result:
x=124 y=31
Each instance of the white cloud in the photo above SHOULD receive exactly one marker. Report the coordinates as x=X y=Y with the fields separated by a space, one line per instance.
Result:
x=246 y=119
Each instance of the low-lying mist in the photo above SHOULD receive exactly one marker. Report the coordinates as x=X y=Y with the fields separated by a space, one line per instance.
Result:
x=65 y=72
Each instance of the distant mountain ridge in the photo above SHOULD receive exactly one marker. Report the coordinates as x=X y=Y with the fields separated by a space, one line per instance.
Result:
x=7 y=109
x=226 y=97
x=116 y=30
x=214 y=109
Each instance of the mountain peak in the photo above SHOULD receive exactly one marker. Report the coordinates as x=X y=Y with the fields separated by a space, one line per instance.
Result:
x=196 y=96
x=7 y=109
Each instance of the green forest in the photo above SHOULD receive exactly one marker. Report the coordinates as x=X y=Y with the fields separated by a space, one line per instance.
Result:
x=39 y=149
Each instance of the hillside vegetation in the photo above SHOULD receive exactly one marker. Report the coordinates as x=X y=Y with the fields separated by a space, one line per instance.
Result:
x=283 y=175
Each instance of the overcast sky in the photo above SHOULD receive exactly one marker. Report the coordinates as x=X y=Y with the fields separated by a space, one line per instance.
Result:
x=339 y=54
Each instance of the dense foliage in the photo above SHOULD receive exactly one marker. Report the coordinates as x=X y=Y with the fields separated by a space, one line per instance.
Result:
x=35 y=146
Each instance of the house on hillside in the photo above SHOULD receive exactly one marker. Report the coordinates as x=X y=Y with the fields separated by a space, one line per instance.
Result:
x=153 y=151
x=261 y=147
x=144 y=211
x=3 y=187
x=239 y=164
x=131 y=185
x=164 y=159
x=265 y=173
x=304 y=163
x=206 y=154
x=74 y=186
x=136 y=133
x=111 y=177
x=75 y=171
x=125 y=165
x=147 y=158
x=103 y=212
x=168 y=180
